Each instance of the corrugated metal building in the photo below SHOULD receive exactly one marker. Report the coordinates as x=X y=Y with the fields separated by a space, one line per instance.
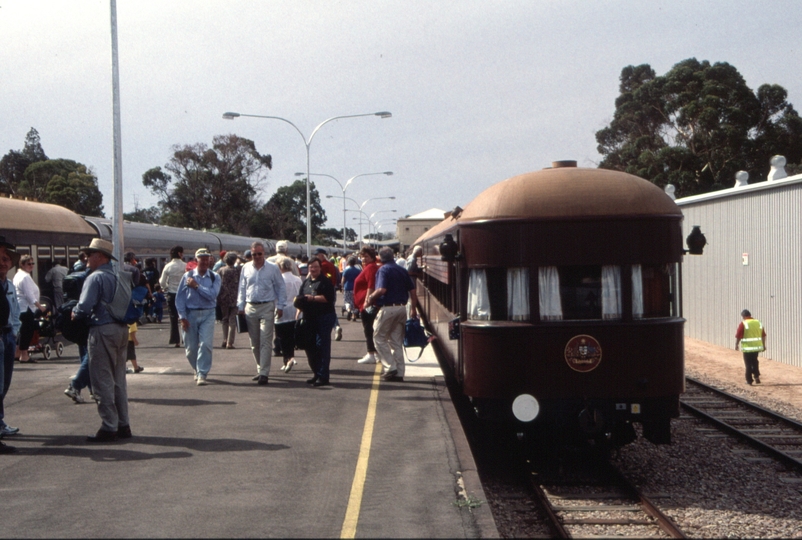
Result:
x=753 y=260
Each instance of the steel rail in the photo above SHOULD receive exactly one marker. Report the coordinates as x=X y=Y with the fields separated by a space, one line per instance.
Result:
x=752 y=441
x=628 y=489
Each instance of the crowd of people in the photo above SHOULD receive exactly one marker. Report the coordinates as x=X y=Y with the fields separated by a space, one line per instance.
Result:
x=287 y=304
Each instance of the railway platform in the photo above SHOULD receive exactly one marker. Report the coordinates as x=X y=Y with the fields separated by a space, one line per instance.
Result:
x=360 y=458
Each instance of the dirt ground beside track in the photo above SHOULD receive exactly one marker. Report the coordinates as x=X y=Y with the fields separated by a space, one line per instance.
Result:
x=780 y=382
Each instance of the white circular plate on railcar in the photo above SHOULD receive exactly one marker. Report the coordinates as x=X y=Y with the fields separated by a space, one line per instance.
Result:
x=525 y=408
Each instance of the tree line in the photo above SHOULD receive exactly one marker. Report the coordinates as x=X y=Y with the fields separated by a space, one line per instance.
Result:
x=697 y=125
x=29 y=173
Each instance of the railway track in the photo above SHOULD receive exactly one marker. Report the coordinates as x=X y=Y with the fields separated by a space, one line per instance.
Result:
x=774 y=434
x=595 y=500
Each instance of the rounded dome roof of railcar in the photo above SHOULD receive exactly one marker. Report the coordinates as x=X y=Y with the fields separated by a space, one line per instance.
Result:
x=568 y=193
x=28 y=222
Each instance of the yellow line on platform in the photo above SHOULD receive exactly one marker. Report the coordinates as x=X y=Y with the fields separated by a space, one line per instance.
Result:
x=357 y=487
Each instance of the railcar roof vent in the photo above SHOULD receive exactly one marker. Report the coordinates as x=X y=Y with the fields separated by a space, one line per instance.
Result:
x=563 y=163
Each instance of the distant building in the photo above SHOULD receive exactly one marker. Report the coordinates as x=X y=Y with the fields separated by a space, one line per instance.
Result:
x=753 y=260
x=408 y=229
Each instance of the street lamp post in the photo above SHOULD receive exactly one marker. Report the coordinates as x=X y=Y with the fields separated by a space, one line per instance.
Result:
x=361 y=206
x=380 y=223
x=307 y=143
x=343 y=187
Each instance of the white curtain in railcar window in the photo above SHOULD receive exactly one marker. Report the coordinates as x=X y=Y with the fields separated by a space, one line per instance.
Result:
x=611 y=292
x=549 y=290
x=478 y=296
x=518 y=294
x=637 y=292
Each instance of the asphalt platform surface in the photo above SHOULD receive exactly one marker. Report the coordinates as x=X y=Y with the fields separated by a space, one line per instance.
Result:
x=360 y=458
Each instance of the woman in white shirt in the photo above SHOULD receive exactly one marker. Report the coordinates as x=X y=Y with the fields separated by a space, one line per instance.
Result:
x=285 y=325
x=28 y=297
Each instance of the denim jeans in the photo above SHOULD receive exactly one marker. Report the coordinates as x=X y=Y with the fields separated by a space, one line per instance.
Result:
x=8 y=345
x=81 y=378
x=198 y=340
x=319 y=355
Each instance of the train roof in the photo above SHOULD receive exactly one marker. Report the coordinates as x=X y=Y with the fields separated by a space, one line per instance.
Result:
x=563 y=193
x=149 y=239
x=28 y=222
x=568 y=193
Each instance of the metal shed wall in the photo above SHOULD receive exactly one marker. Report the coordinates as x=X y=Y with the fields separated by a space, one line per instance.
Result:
x=764 y=221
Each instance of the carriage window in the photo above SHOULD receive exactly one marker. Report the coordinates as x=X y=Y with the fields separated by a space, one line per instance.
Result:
x=478 y=296
x=518 y=294
x=581 y=291
x=657 y=294
x=548 y=281
x=611 y=292
x=637 y=292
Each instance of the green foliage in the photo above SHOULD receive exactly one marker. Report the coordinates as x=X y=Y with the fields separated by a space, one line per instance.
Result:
x=144 y=215
x=696 y=126
x=29 y=173
x=77 y=191
x=13 y=164
x=210 y=188
x=350 y=234
x=284 y=215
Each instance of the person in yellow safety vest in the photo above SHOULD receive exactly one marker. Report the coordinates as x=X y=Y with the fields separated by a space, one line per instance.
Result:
x=752 y=339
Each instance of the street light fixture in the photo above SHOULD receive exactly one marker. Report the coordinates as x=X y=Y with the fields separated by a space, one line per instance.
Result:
x=343 y=187
x=307 y=143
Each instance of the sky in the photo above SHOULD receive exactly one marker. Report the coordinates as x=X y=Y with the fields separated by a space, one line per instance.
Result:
x=479 y=91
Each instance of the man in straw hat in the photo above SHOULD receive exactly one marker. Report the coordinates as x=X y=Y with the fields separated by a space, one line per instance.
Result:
x=108 y=343
x=195 y=301
x=9 y=326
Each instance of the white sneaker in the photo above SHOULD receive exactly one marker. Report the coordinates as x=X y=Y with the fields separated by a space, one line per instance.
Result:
x=338 y=333
x=74 y=394
x=201 y=380
x=369 y=358
x=283 y=367
x=289 y=365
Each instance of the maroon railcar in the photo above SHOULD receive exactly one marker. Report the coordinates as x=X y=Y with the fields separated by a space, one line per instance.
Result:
x=555 y=296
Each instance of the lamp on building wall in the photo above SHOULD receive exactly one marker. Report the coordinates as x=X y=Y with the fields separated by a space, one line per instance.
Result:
x=449 y=250
x=696 y=241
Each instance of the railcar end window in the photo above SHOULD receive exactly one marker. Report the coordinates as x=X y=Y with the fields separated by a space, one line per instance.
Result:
x=611 y=292
x=581 y=292
x=549 y=294
x=478 y=296
x=659 y=290
x=518 y=294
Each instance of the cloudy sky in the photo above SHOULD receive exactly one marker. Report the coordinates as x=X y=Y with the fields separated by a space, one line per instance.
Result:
x=479 y=90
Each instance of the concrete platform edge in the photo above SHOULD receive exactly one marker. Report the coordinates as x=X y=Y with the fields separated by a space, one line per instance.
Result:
x=482 y=514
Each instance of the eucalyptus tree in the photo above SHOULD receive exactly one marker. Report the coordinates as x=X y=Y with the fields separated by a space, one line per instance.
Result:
x=697 y=125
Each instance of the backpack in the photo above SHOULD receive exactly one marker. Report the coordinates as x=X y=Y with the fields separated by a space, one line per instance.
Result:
x=73 y=283
x=123 y=308
x=76 y=330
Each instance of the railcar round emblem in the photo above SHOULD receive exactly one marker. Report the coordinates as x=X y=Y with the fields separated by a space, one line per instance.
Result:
x=583 y=353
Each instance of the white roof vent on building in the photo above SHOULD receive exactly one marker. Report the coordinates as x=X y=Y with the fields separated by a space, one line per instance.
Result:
x=777 y=168
x=741 y=179
x=670 y=189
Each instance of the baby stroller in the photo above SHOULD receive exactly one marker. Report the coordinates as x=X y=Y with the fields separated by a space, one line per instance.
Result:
x=44 y=337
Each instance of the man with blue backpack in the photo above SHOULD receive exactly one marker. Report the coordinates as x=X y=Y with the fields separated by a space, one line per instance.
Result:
x=103 y=292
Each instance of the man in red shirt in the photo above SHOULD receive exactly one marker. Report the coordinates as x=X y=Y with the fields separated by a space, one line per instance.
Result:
x=330 y=272
x=364 y=285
